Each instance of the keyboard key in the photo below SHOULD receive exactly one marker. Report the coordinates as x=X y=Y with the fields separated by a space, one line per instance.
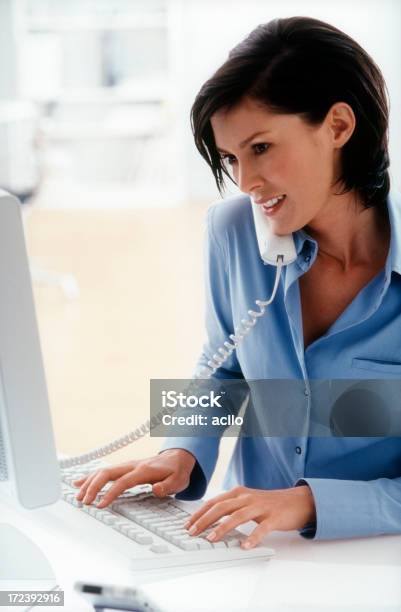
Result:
x=126 y=528
x=108 y=519
x=181 y=514
x=233 y=542
x=118 y=524
x=178 y=538
x=173 y=526
x=117 y=505
x=134 y=514
x=220 y=544
x=159 y=548
x=202 y=544
x=176 y=532
x=176 y=511
x=155 y=520
x=144 y=512
x=169 y=535
x=142 y=538
x=156 y=503
x=189 y=544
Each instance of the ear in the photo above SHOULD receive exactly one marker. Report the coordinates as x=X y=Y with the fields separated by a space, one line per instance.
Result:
x=341 y=123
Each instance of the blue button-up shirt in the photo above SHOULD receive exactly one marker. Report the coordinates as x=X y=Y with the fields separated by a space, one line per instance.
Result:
x=355 y=481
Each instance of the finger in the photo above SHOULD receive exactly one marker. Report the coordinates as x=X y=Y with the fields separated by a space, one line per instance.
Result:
x=168 y=486
x=114 y=471
x=243 y=515
x=228 y=506
x=79 y=481
x=240 y=516
x=139 y=475
x=207 y=505
x=100 y=478
x=258 y=534
x=84 y=487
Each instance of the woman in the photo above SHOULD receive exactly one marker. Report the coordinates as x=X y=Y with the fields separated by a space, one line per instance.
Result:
x=297 y=116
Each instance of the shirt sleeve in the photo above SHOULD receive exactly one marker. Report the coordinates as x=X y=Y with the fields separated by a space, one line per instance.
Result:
x=219 y=325
x=353 y=508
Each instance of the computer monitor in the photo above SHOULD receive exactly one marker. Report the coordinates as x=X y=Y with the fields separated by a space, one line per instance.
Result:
x=29 y=469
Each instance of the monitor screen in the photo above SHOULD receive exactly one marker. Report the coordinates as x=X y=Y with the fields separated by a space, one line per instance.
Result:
x=29 y=468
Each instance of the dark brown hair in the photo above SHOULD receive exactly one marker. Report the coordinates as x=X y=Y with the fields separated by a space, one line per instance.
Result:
x=303 y=66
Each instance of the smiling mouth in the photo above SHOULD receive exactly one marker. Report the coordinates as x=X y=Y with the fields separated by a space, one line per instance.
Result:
x=269 y=205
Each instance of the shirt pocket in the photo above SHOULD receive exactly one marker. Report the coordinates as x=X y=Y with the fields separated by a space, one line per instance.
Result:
x=384 y=369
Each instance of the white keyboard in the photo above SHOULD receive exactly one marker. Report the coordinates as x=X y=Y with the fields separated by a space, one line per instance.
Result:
x=155 y=528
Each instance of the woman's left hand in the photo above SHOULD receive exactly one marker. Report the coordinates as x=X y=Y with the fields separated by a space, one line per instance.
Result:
x=274 y=510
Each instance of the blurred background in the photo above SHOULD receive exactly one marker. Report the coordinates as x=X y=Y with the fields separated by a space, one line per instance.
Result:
x=95 y=139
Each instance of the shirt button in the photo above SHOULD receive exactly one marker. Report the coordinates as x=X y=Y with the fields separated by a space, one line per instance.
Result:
x=306 y=391
x=307 y=258
x=298 y=450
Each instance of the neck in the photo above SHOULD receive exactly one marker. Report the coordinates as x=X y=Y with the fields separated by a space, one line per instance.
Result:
x=351 y=234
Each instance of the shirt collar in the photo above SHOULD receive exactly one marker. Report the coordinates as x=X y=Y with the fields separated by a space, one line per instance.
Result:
x=306 y=246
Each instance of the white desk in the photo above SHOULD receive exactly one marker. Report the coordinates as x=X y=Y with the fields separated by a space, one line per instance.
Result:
x=359 y=575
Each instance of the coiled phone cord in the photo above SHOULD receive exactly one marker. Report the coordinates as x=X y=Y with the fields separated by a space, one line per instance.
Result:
x=222 y=354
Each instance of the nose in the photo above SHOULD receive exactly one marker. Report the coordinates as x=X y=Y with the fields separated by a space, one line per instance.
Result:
x=249 y=180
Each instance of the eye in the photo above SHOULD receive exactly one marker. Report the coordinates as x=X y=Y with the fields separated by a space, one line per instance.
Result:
x=260 y=147
x=227 y=159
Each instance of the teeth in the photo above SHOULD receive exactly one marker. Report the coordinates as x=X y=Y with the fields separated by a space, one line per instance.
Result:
x=273 y=202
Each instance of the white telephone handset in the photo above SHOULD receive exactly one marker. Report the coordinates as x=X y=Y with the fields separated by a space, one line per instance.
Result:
x=272 y=246
x=276 y=250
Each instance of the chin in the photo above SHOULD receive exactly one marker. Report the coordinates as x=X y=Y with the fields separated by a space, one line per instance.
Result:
x=283 y=227
x=283 y=230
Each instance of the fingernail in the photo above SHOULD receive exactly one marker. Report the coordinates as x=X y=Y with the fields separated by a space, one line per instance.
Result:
x=211 y=537
x=247 y=544
x=85 y=500
x=192 y=530
x=187 y=524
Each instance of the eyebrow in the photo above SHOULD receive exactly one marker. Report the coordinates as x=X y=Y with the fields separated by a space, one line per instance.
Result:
x=245 y=142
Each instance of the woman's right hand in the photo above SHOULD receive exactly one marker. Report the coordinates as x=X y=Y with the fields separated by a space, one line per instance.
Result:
x=169 y=472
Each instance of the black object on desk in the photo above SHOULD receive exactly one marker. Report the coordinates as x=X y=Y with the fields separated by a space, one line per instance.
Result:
x=110 y=597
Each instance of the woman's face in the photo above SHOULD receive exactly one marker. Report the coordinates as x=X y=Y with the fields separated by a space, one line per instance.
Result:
x=270 y=155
